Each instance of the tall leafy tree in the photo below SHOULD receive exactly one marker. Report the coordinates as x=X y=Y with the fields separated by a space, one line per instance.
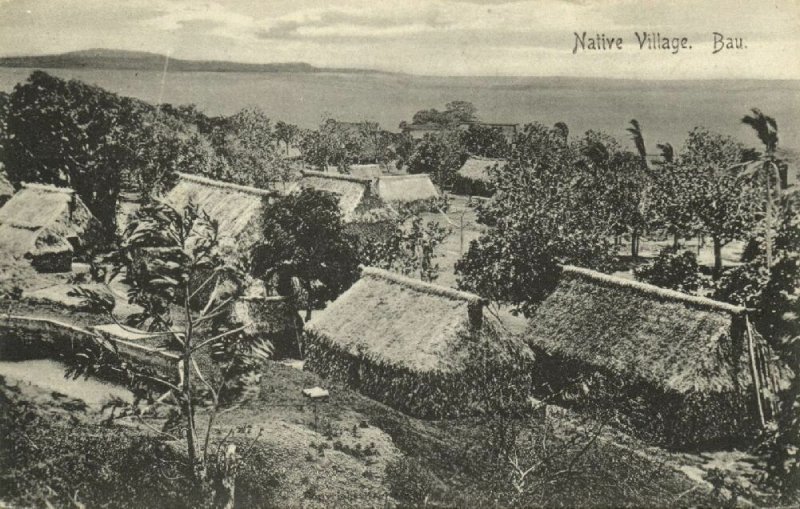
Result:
x=439 y=155
x=286 y=133
x=70 y=134
x=304 y=238
x=707 y=179
x=539 y=219
x=485 y=141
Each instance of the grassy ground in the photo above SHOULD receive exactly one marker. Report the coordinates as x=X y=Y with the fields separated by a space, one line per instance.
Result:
x=354 y=452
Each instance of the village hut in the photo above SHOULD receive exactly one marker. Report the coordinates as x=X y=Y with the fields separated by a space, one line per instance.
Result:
x=677 y=369
x=416 y=192
x=473 y=177
x=46 y=225
x=6 y=189
x=236 y=208
x=273 y=318
x=402 y=341
x=365 y=214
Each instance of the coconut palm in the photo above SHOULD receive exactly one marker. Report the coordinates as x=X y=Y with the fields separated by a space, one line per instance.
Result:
x=763 y=166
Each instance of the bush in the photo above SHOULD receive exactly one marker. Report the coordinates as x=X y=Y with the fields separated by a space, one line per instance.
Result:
x=673 y=270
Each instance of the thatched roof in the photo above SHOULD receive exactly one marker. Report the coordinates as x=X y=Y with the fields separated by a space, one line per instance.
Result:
x=400 y=320
x=675 y=341
x=475 y=168
x=358 y=201
x=236 y=208
x=366 y=170
x=406 y=188
x=40 y=219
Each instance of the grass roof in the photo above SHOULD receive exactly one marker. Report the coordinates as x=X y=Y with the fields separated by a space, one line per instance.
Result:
x=475 y=168
x=357 y=201
x=676 y=341
x=406 y=188
x=366 y=170
x=39 y=219
x=236 y=208
x=399 y=320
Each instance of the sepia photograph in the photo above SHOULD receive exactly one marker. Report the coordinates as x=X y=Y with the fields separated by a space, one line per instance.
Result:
x=399 y=254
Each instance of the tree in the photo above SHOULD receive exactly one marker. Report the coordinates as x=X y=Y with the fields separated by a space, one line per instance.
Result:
x=67 y=133
x=485 y=141
x=163 y=145
x=249 y=150
x=706 y=179
x=455 y=113
x=286 y=133
x=163 y=252
x=439 y=155
x=330 y=145
x=617 y=184
x=374 y=144
x=539 y=217
x=763 y=167
x=304 y=238
x=409 y=249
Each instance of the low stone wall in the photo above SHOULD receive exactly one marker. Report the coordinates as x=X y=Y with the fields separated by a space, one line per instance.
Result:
x=31 y=337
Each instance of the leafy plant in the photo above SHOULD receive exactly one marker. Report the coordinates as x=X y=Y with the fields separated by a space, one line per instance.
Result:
x=672 y=269
x=162 y=253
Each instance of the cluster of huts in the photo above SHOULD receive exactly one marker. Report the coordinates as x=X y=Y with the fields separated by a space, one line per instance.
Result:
x=680 y=369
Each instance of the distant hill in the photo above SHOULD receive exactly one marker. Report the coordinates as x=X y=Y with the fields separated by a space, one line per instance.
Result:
x=144 y=61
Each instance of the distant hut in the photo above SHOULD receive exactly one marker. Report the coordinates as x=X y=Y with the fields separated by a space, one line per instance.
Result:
x=415 y=192
x=6 y=189
x=46 y=225
x=401 y=341
x=473 y=177
x=364 y=212
x=236 y=208
x=678 y=369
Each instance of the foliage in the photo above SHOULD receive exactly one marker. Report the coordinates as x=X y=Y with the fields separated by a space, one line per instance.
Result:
x=706 y=179
x=249 y=149
x=456 y=112
x=304 y=237
x=409 y=248
x=439 y=155
x=162 y=254
x=286 y=133
x=70 y=134
x=485 y=141
x=672 y=269
x=163 y=145
x=542 y=215
x=330 y=145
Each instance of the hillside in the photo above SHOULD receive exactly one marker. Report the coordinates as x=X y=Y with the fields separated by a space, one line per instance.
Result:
x=144 y=61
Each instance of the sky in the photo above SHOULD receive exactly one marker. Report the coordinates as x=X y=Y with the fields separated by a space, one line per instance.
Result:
x=429 y=37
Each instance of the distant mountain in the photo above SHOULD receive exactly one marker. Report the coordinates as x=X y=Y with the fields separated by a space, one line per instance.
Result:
x=143 y=61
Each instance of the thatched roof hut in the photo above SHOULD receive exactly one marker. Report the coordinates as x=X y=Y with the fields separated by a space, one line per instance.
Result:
x=237 y=208
x=406 y=189
x=473 y=177
x=46 y=224
x=399 y=340
x=358 y=200
x=684 y=358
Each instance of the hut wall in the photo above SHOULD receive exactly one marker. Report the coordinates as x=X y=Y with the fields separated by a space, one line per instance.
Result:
x=649 y=412
x=59 y=261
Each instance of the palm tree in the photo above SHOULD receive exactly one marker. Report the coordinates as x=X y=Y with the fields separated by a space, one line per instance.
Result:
x=764 y=164
x=638 y=141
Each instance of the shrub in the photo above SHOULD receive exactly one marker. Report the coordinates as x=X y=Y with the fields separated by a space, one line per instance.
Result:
x=672 y=269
